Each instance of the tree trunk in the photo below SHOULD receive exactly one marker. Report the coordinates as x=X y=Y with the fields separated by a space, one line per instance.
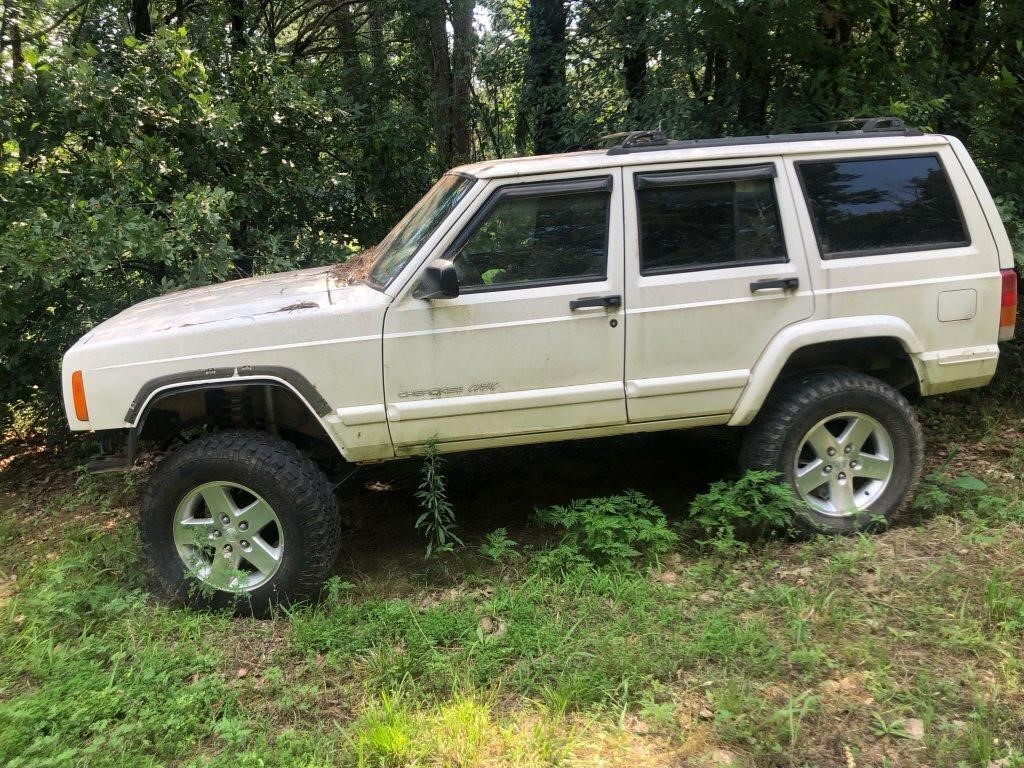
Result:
x=545 y=96
x=347 y=43
x=378 y=52
x=959 y=56
x=236 y=16
x=140 y=19
x=632 y=39
x=463 y=54
x=12 y=18
x=3 y=24
x=434 y=41
x=753 y=71
x=835 y=24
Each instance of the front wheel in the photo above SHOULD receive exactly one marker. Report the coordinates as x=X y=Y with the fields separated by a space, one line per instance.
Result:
x=239 y=520
x=848 y=444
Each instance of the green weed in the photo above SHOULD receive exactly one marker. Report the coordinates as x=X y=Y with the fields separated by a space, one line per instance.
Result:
x=730 y=513
x=498 y=547
x=437 y=522
x=612 y=531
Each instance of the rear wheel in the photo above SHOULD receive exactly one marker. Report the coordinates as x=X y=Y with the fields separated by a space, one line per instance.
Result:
x=848 y=444
x=241 y=520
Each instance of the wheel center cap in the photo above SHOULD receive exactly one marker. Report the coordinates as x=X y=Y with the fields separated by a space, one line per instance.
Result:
x=230 y=534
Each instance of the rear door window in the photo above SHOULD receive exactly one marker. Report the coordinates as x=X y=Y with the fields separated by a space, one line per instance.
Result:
x=861 y=207
x=708 y=219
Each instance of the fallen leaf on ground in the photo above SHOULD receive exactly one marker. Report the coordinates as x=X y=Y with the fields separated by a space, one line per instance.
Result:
x=914 y=727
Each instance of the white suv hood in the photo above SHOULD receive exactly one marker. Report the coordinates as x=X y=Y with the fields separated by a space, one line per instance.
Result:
x=286 y=292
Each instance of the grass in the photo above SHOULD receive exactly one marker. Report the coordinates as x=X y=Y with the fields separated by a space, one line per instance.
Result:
x=524 y=649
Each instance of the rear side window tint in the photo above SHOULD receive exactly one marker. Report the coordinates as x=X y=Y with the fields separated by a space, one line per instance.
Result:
x=881 y=205
x=708 y=220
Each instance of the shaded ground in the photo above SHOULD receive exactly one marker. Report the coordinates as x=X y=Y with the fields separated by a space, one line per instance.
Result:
x=503 y=488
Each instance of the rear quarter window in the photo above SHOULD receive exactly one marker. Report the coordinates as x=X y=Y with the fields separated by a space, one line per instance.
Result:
x=861 y=207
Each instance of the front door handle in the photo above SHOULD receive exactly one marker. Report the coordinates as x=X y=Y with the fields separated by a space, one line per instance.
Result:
x=610 y=301
x=785 y=283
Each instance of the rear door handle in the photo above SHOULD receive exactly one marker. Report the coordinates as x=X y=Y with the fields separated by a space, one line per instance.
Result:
x=785 y=283
x=613 y=300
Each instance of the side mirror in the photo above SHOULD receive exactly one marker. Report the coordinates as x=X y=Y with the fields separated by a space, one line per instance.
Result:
x=439 y=281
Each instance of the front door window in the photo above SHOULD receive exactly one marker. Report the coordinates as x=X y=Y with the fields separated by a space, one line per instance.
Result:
x=537 y=234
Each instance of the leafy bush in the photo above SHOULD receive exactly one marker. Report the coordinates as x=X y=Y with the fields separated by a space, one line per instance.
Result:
x=128 y=170
x=614 y=530
x=749 y=507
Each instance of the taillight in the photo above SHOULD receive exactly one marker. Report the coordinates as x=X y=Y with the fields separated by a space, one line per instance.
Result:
x=78 y=396
x=1008 y=305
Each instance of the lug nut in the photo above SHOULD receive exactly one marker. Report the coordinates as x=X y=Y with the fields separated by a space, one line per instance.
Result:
x=215 y=534
x=831 y=451
x=245 y=545
x=225 y=519
x=227 y=549
x=243 y=526
x=848 y=449
x=827 y=469
x=842 y=475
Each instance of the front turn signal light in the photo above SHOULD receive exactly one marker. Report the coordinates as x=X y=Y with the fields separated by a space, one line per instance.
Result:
x=78 y=396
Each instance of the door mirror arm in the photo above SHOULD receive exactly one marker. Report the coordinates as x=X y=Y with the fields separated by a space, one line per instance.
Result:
x=438 y=281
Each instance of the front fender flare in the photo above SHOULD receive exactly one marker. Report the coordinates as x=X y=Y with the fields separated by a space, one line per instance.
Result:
x=211 y=377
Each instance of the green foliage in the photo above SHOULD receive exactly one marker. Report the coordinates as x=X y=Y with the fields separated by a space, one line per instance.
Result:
x=755 y=504
x=614 y=530
x=437 y=523
x=1004 y=602
x=517 y=663
x=135 y=170
x=966 y=496
x=386 y=734
x=497 y=546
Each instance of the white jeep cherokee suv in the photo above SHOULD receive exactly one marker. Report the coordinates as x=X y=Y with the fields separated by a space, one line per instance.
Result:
x=794 y=285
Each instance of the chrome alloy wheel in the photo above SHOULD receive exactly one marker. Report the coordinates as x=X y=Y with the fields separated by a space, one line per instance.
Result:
x=228 y=536
x=844 y=464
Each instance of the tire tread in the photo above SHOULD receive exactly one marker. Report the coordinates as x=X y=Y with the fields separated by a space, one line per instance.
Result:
x=771 y=427
x=310 y=492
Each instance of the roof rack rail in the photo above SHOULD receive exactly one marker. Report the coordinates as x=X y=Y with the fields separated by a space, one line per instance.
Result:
x=638 y=140
x=862 y=124
x=601 y=142
x=862 y=127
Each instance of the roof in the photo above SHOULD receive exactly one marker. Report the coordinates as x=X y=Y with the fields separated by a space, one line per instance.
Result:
x=696 y=150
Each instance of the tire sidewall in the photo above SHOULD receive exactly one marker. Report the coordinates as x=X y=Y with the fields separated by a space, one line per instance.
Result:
x=906 y=449
x=175 y=481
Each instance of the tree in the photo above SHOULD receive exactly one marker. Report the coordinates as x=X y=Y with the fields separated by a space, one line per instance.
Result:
x=544 y=95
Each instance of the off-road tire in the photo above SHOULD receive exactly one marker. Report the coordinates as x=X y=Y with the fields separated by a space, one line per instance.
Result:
x=772 y=440
x=291 y=483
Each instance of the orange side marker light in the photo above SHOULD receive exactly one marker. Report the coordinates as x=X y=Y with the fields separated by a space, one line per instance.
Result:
x=78 y=396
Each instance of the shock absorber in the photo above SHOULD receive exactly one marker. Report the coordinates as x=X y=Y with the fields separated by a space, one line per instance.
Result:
x=233 y=409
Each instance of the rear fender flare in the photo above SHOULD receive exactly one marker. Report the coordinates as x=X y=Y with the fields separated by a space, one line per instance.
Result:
x=771 y=362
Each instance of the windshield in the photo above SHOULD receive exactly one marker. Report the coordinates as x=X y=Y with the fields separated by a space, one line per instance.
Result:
x=401 y=243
